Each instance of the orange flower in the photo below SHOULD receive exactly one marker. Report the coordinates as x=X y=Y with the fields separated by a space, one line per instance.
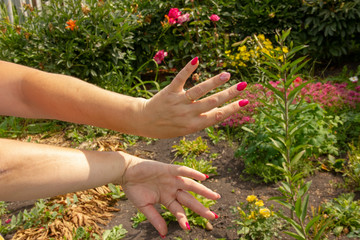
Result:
x=71 y=24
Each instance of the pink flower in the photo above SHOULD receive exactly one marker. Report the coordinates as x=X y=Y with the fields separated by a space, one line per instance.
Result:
x=159 y=56
x=172 y=21
x=8 y=221
x=214 y=18
x=298 y=80
x=183 y=18
x=174 y=13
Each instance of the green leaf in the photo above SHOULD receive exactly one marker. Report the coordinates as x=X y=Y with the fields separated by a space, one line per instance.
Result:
x=296 y=226
x=304 y=208
x=297 y=157
x=298 y=207
x=285 y=204
x=269 y=74
x=286 y=187
x=294 y=235
x=311 y=223
x=276 y=91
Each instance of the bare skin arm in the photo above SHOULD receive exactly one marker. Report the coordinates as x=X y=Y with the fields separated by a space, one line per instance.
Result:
x=29 y=171
x=31 y=93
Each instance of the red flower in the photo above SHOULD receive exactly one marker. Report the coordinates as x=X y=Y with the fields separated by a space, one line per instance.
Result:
x=159 y=56
x=214 y=18
x=71 y=24
x=174 y=13
x=8 y=221
x=298 y=80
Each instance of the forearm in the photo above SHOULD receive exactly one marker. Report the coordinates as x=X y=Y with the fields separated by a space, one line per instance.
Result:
x=37 y=94
x=31 y=171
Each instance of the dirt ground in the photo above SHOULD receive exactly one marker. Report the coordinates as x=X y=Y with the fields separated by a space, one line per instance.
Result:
x=228 y=183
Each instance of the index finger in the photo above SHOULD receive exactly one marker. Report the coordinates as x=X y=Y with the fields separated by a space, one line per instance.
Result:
x=178 y=82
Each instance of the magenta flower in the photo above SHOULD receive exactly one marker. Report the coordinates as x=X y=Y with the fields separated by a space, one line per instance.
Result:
x=172 y=21
x=174 y=13
x=214 y=18
x=183 y=18
x=8 y=221
x=159 y=56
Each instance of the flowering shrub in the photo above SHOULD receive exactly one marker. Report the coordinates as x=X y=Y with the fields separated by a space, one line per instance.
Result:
x=159 y=56
x=256 y=221
x=333 y=97
x=85 y=39
x=250 y=54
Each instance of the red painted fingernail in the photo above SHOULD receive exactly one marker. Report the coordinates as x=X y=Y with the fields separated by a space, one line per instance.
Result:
x=225 y=76
x=243 y=102
x=187 y=226
x=241 y=86
x=207 y=176
x=162 y=236
x=216 y=216
x=194 y=61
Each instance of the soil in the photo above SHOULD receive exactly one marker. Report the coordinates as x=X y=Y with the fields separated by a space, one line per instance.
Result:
x=229 y=182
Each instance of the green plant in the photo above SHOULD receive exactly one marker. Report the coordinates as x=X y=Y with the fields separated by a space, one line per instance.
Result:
x=257 y=148
x=137 y=219
x=116 y=192
x=117 y=232
x=82 y=233
x=294 y=191
x=351 y=169
x=193 y=218
x=201 y=165
x=191 y=148
x=330 y=28
x=39 y=216
x=345 y=213
x=3 y=208
x=14 y=127
x=257 y=221
x=216 y=135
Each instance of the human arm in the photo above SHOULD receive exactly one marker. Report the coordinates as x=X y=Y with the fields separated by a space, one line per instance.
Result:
x=27 y=92
x=31 y=171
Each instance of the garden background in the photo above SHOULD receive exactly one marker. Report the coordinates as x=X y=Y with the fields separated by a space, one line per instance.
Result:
x=294 y=146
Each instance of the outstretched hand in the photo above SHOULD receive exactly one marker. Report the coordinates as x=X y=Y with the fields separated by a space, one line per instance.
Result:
x=147 y=183
x=175 y=112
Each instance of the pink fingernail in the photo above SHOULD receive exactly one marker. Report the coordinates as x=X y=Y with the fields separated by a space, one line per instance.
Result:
x=225 y=76
x=188 y=226
x=162 y=236
x=207 y=176
x=241 y=86
x=243 y=102
x=194 y=61
x=216 y=216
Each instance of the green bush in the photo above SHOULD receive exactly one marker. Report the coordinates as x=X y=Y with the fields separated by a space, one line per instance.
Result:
x=85 y=39
x=257 y=149
x=330 y=28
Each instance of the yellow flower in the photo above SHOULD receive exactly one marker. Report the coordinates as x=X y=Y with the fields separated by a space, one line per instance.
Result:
x=251 y=198
x=285 y=49
x=252 y=215
x=259 y=203
x=265 y=212
x=261 y=37
x=242 y=48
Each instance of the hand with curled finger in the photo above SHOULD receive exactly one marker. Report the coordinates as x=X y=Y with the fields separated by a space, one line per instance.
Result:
x=176 y=112
x=147 y=183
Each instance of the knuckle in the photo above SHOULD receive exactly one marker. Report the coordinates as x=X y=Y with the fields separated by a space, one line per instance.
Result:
x=213 y=101
x=219 y=115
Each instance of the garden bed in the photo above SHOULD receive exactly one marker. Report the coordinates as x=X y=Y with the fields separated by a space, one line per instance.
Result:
x=230 y=183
